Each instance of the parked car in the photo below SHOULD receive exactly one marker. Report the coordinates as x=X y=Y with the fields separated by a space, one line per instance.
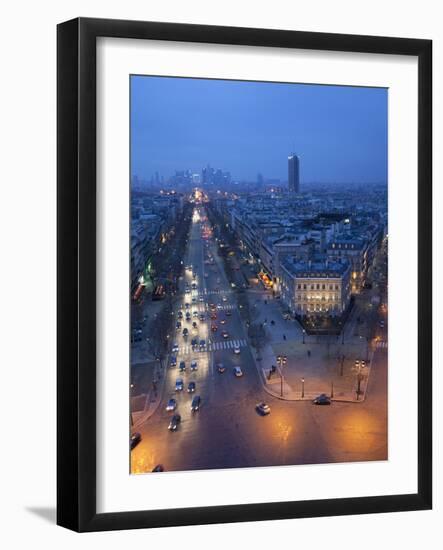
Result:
x=262 y=408
x=202 y=344
x=238 y=372
x=178 y=325
x=135 y=439
x=171 y=405
x=194 y=365
x=195 y=405
x=175 y=347
x=194 y=342
x=175 y=421
x=179 y=384
x=322 y=399
x=191 y=387
x=173 y=362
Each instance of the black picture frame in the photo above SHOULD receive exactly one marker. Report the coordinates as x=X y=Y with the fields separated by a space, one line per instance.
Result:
x=76 y=267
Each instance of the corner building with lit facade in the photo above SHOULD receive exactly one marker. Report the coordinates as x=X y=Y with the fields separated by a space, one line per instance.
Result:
x=316 y=289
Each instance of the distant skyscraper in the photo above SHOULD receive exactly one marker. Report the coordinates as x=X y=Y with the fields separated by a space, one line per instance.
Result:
x=293 y=173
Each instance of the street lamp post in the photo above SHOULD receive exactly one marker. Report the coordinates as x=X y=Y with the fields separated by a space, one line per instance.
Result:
x=302 y=388
x=281 y=360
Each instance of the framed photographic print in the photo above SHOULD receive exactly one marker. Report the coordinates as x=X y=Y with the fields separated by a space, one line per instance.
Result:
x=244 y=274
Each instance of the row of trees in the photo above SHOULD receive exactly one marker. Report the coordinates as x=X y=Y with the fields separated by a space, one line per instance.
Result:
x=256 y=331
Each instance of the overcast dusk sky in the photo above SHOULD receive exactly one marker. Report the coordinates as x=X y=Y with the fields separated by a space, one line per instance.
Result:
x=339 y=133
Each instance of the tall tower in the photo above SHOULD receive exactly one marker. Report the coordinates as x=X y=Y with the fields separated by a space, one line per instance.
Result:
x=293 y=173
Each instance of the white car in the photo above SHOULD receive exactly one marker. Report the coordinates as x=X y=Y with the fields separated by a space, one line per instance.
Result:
x=236 y=350
x=201 y=299
x=238 y=372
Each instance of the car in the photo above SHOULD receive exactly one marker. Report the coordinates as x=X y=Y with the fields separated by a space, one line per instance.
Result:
x=238 y=372
x=228 y=313
x=213 y=315
x=191 y=387
x=159 y=468
x=262 y=408
x=171 y=405
x=188 y=316
x=225 y=299
x=214 y=327
x=187 y=306
x=225 y=334
x=182 y=366
x=135 y=439
x=194 y=325
x=219 y=306
x=185 y=331
x=179 y=384
x=173 y=361
x=322 y=399
x=195 y=405
x=178 y=325
x=194 y=286
x=221 y=368
x=223 y=321
x=195 y=313
x=202 y=316
x=212 y=306
x=175 y=347
x=187 y=290
x=194 y=342
x=202 y=344
x=236 y=350
x=175 y=421
x=194 y=365
x=194 y=300
x=201 y=299
x=180 y=314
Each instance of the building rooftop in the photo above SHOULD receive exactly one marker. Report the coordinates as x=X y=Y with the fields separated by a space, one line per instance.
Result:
x=316 y=268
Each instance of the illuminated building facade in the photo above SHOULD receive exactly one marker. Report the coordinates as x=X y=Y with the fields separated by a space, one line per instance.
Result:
x=316 y=288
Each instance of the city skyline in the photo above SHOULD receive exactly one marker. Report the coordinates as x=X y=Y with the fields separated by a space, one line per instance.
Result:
x=339 y=133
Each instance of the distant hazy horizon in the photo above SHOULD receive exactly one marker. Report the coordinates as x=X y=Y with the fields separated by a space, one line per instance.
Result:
x=246 y=128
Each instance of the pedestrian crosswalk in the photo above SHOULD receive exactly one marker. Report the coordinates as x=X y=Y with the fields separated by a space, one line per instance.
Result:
x=213 y=346
x=219 y=292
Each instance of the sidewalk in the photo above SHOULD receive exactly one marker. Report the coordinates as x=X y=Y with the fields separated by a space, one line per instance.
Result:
x=144 y=398
x=314 y=364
